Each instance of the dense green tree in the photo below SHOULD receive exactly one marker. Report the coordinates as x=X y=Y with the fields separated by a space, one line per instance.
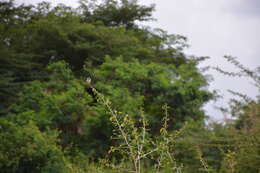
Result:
x=48 y=56
x=15 y=62
x=63 y=103
x=34 y=36
x=115 y=13
x=153 y=70
x=132 y=85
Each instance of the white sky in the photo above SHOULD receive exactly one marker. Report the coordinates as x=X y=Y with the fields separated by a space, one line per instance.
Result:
x=214 y=28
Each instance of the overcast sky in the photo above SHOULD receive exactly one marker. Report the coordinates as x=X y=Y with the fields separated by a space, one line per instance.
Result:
x=214 y=28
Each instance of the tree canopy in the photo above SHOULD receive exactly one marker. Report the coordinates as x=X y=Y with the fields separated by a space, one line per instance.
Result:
x=58 y=62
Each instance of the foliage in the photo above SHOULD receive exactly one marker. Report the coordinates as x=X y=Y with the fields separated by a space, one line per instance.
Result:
x=115 y=13
x=33 y=36
x=63 y=103
x=65 y=71
x=136 y=145
x=131 y=85
x=243 y=155
x=24 y=148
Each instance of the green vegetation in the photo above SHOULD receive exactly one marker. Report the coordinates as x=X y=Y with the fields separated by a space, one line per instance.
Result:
x=87 y=89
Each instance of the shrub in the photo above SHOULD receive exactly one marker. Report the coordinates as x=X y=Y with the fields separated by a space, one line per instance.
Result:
x=26 y=149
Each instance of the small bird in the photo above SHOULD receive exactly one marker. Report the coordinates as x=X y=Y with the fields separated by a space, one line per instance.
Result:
x=88 y=80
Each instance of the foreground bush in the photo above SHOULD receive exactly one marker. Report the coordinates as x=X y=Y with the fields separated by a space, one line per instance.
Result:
x=26 y=149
